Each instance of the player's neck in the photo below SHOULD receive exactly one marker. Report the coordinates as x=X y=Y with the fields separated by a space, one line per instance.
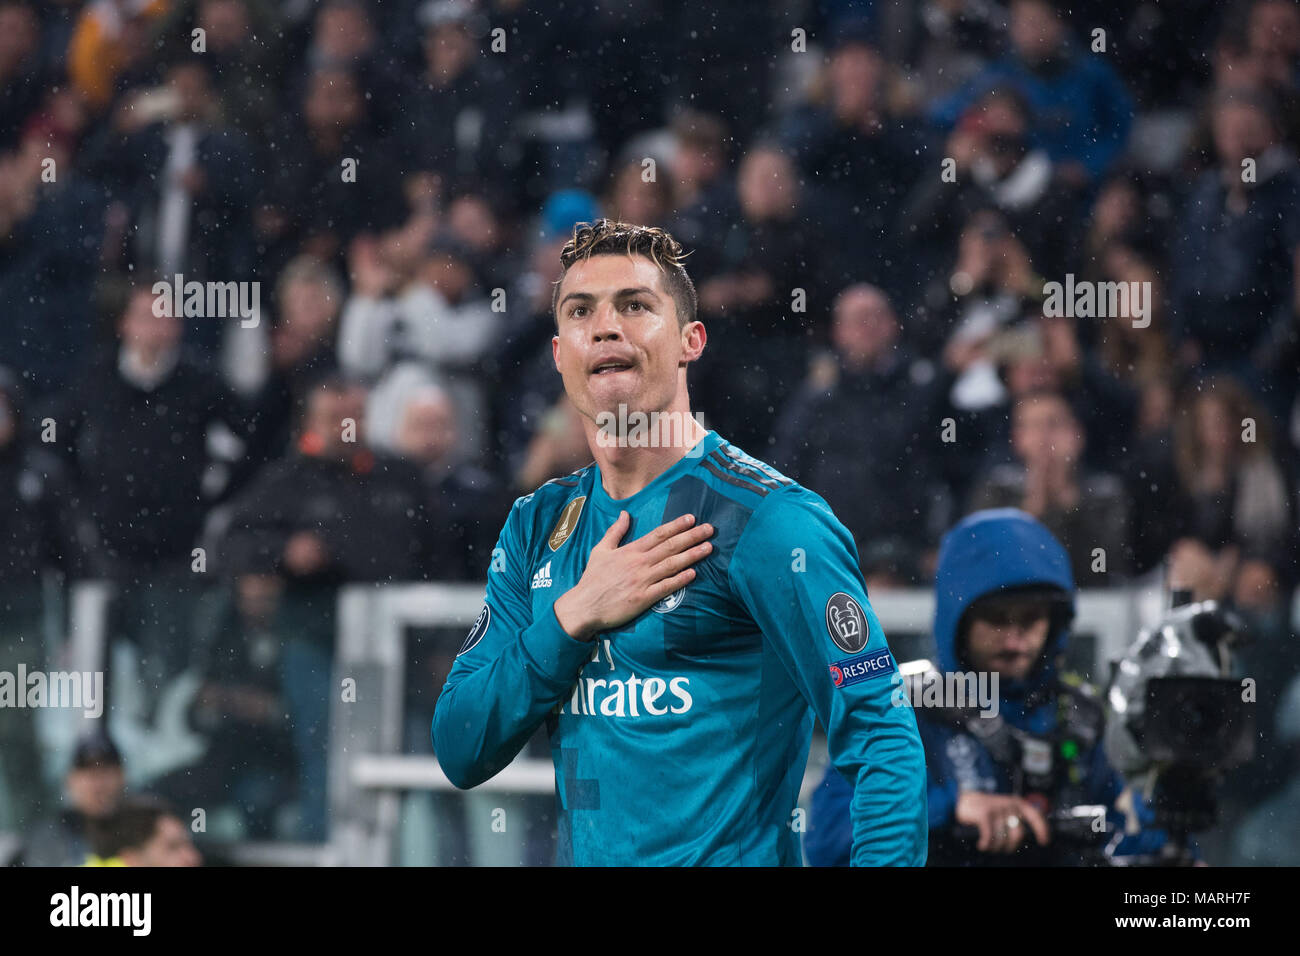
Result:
x=632 y=452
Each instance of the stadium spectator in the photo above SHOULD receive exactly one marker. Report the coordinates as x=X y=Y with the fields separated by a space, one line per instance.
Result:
x=111 y=40
x=1236 y=498
x=1138 y=353
x=92 y=789
x=1080 y=109
x=1159 y=512
x=1118 y=214
x=245 y=774
x=634 y=198
x=990 y=285
x=153 y=442
x=1235 y=67
x=862 y=154
x=558 y=448
x=45 y=524
x=1086 y=512
x=996 y=167
x=556 y=126
x=464 y=500
x=1233 y=278
x=49 y=246
x=302 y=351
x=185 y=177
x=1272 y=41
x=722 y=70
x=345 y=37
x=647 y=30
x=433 y=316
x=330 y=512
x=700 y=161
x=458 y=115
x=134 y=430
x=945 y=43
x=240 y=41
x=22 y=69
x=1106 y=400
x=474 y=218
x=330 y=177
x=886 y=392
x=747 y=281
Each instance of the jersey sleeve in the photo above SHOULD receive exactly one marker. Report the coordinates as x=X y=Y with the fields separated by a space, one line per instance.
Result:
x=796 y=571
x=509 y=673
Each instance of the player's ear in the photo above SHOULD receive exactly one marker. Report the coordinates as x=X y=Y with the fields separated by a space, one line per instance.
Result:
x=555 y=351
x=693 y=340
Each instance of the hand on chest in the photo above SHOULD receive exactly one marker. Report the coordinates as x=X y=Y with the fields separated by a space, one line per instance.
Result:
x=697 y=622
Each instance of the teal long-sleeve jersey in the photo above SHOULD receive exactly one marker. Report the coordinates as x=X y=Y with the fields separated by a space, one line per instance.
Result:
x=682 y=737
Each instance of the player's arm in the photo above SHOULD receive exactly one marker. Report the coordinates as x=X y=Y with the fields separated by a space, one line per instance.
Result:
x=512 y=669
x=796 y=570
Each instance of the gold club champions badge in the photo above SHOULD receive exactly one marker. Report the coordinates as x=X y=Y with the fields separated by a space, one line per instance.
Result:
x=568 y=521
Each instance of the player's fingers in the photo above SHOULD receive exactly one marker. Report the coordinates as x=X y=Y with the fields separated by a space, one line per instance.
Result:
x=665 y=531
x=657 y=592
x=680 y=542
x=614 y=534
x=676 y=562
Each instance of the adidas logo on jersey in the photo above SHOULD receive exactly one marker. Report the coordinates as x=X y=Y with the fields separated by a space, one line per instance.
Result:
x=542 y=579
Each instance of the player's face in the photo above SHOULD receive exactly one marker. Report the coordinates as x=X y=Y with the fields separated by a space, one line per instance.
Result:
x=618 y=340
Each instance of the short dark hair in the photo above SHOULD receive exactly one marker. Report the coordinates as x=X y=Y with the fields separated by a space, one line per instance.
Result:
x=133 y=824
x=606 y=237
x=97 y=750
x=325 y=382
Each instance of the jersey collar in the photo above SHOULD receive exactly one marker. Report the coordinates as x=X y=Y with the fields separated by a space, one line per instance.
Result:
x=601 y=497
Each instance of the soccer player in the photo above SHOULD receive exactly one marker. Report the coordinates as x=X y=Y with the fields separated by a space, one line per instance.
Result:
x=673 y=611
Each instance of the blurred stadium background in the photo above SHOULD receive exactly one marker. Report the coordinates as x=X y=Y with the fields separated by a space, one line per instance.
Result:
x=178 y=511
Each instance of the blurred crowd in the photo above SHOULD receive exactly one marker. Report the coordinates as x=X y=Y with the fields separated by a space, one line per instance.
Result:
x=876 y=195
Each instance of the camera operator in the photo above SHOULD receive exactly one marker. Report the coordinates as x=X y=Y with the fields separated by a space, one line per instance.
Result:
x=1004 y=606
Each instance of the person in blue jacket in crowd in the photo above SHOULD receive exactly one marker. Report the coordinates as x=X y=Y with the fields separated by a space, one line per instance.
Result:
x=1080 y=108
x=1003 y=778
